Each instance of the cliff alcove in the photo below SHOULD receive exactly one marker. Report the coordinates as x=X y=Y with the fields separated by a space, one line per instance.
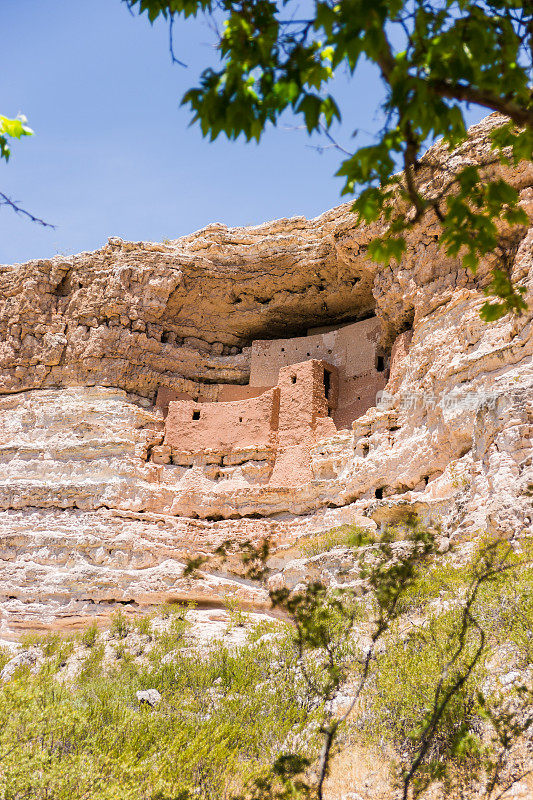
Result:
x=148 y=410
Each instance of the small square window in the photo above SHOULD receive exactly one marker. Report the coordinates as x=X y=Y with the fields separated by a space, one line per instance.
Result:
x=196 y=415
x=293 y=378
x=240 y=419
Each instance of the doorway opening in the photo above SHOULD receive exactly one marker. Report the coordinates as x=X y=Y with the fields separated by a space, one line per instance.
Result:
x=327 y=389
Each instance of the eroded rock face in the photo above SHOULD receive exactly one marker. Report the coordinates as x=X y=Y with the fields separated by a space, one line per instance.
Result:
x=92 y=513
x=140 y=315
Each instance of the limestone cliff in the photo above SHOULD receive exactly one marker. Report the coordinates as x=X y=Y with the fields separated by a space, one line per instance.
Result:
x=90 y=517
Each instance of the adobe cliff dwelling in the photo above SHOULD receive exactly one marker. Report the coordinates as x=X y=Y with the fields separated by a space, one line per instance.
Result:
x=268 y=426
x=160 y=399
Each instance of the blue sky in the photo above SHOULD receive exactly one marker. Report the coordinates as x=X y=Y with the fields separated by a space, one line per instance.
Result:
x=114 y=154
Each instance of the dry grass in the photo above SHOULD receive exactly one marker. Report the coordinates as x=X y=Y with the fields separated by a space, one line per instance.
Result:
x=359 y=773
x=366 y=773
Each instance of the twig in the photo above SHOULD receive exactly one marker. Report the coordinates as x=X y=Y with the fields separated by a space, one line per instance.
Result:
x=171 y=43
x=512 y=783
x=13 y=204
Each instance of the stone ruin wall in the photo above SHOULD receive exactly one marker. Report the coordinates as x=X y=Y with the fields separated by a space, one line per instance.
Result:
x=352 y=349
x=273 y=430
x=360 y=373
x=95 y=513
x=195 y=428
x=317 y=384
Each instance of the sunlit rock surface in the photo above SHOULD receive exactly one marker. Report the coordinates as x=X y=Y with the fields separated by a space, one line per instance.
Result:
x=92 y=516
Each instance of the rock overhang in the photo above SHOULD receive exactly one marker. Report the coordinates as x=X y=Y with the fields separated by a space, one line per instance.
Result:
x=88 y=341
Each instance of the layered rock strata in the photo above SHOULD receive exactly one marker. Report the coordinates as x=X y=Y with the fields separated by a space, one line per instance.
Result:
x=92 y=512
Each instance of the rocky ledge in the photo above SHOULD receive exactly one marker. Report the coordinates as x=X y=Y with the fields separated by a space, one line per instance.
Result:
x=89 y=520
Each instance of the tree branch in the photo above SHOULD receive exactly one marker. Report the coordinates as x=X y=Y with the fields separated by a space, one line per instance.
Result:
x=443 y=696
x=6 y=201
x=171 y=43
x=470 y=94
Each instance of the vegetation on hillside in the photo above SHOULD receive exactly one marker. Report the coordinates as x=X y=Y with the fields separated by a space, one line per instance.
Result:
x=485 y=656
x=428 y=656
x=77 y=730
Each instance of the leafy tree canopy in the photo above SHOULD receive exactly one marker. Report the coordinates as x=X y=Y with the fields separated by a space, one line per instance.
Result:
x=434 y=56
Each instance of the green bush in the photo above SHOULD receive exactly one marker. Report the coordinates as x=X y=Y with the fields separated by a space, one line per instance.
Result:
x=5 y=656
x=224 y=715
x=401 y=696
x=344 y=536
x=403 y=689
x=89 y=635
x=120 y=626
x=144 y=626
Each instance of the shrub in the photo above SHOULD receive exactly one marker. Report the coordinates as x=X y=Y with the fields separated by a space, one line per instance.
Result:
x=31 y=639
x=344 y=536
x=144 y=626
x=119 y=625
x=223 y=716
x=89 y=635
x=235 y=613
x=402 y=694
x=5 y=656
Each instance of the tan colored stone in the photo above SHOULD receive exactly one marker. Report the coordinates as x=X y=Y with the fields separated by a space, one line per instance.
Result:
x=96 y=509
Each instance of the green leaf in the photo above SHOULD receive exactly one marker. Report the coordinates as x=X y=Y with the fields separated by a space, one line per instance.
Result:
x=310 y=106
x=12 y=128
x=15 y=127
x=5 y=151
x=385 y=249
